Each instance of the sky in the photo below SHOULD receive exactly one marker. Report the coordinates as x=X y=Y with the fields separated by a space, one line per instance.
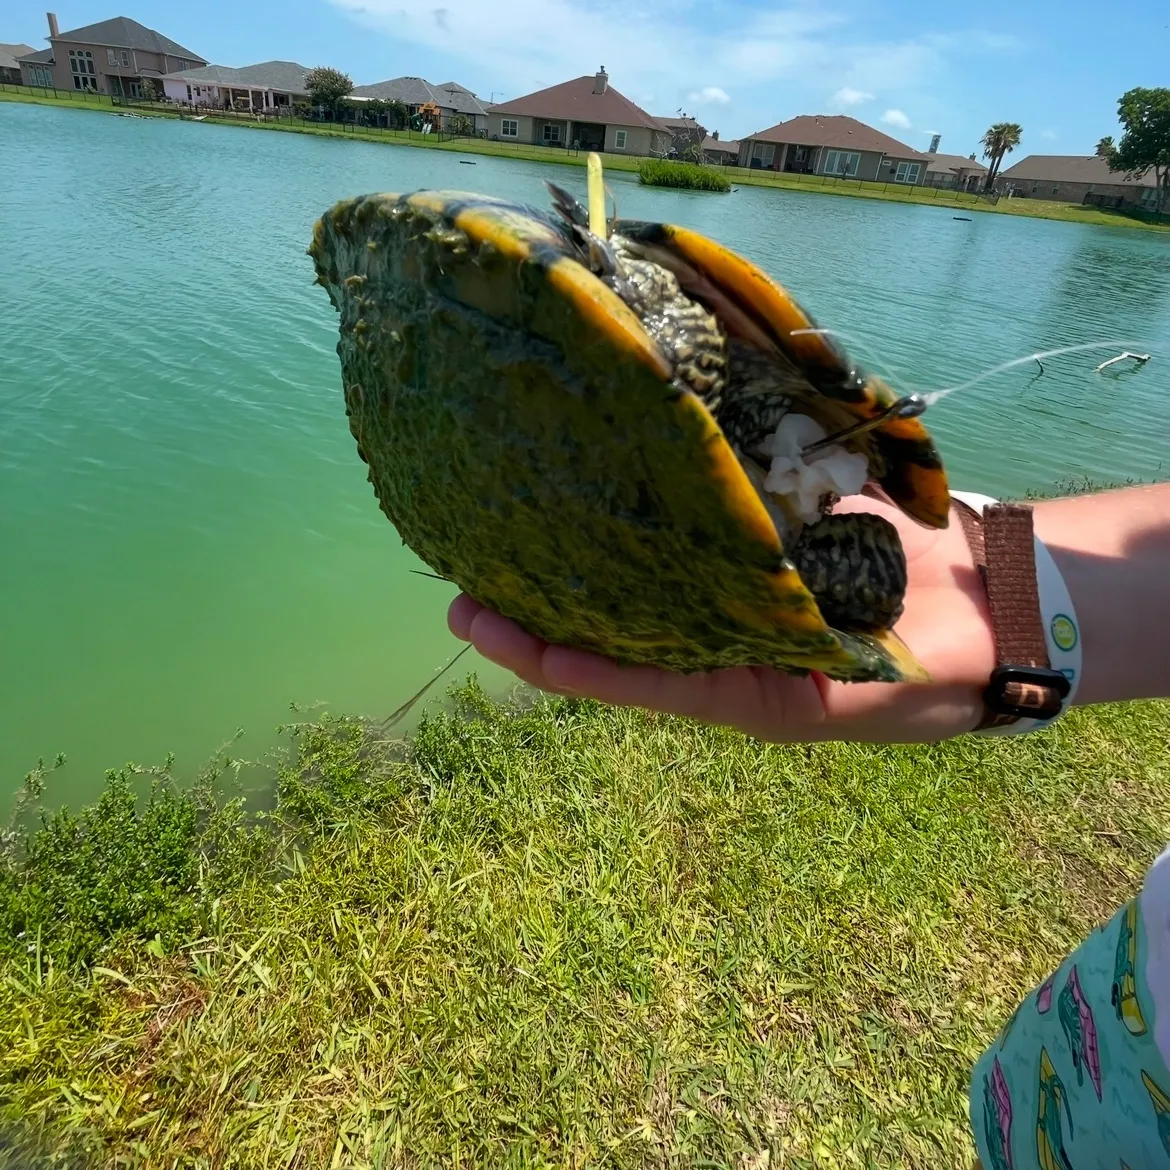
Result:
x=909 y=67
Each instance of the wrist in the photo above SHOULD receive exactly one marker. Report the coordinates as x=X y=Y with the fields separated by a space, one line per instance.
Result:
x=1113 y=551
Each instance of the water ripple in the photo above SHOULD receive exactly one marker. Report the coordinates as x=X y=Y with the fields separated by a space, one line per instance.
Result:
x=196 y=540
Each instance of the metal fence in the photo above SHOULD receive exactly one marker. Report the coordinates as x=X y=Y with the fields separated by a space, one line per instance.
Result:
x=948 y=195
x=83 y=96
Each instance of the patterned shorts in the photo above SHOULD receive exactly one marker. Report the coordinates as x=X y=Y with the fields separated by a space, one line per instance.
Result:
x=1078 y=1077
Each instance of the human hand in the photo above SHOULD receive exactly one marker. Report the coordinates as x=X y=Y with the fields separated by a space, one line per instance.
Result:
x=946 y=623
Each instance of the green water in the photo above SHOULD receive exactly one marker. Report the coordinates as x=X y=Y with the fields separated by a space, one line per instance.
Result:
x=188 y=541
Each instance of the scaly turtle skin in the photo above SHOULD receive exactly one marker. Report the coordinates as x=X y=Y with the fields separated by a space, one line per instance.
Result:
x=569 y=428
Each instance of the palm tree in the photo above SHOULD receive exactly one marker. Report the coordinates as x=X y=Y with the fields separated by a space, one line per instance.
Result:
x=1000 y=139
x=1106 y=149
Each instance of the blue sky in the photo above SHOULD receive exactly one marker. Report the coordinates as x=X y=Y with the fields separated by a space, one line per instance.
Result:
x=906 y=66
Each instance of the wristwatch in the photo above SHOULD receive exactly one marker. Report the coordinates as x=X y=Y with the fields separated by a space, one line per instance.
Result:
x=1037 y=637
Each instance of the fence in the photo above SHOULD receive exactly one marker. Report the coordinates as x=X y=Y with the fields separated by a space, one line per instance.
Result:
x=920 y=192
x=83 y=96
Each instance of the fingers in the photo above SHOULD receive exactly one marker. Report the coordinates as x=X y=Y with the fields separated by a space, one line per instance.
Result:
x=500 y=640
x=759 y=701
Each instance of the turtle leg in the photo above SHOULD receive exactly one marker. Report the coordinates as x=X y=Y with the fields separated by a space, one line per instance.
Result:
x=853 y=564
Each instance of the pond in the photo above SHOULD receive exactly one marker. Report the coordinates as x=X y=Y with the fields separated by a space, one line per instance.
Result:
x=189 y=543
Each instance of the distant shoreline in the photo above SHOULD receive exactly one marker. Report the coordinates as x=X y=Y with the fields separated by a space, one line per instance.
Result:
x=741 y=176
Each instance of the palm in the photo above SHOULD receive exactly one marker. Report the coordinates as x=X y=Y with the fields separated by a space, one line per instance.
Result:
x=945 y=623
x=1000 y=139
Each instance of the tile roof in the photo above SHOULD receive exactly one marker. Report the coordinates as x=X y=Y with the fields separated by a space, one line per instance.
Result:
x=9 y=54
x=416 y=91
x=1071 y=168
x=123 y=33
x=675 y=122
x=575 y=101
x=837 y=131
x=953 y=162
x=286 y=76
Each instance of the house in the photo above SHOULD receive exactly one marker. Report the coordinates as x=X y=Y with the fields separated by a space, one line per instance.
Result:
x=832 y=144
x=113 y=57
x=271 y=85
x=9 y=65
x=1074 y=178
x=720 y=152
x=585 y=112
x=955 y=171
x=415 y=92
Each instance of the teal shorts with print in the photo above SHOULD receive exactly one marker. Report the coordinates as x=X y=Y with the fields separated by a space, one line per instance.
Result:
x=1075 y=1080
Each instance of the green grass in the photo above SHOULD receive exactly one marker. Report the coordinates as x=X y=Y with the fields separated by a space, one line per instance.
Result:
x=890 y=192
x=657 y=172
x=557 y=934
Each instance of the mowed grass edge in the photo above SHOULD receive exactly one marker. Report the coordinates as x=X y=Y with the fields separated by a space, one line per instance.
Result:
x=742 y=176
x=550 y=933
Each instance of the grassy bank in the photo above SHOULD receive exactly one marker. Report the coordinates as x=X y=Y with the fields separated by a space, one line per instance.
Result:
x=657 y=172
x=889 y=192
x=558 y=935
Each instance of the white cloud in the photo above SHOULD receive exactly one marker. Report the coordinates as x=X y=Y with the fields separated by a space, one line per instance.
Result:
x=777 y=63
x=896 y=118
x=1051 y=135
x=708 y=95
x=848 y=96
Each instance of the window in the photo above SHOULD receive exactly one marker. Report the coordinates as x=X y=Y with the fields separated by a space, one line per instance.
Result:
x=842 y=162
x=619 y=139
x=40 y=75
x=509 y=128
x=136 y=89
x=765 y=152
x=907 y=172
x=552 y=133
x=188 y=93
x=81 y=66
x=111 y=57
x=124 y=54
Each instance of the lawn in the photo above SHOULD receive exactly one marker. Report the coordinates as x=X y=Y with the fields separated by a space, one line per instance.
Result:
x=890 y=192
x=556 y=934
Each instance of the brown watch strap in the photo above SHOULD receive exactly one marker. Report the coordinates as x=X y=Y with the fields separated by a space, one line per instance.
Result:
x=1023 y=683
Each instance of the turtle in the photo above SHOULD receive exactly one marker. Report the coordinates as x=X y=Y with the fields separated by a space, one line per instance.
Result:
x=574 y=428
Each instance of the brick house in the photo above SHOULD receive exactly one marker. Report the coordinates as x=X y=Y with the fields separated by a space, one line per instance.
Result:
x=832 y=144
x=586 y=111
x=1073 y=178
x=111 y=57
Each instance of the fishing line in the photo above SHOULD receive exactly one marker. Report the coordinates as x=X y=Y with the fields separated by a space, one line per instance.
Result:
x=398 y=715
x=934 y=396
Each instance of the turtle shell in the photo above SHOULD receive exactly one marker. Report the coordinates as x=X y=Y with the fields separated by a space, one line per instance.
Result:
x=758 y=310
x=524 y=436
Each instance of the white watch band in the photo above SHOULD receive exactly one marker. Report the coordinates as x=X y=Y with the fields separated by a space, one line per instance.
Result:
x=1062 y=633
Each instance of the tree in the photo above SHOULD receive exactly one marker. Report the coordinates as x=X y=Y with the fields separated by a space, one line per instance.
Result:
x=461 y=124
x=1105 y=149
x=328 y=87
x=151 y=90
x=1145 y=145
x=686 y=137
x=1000 y=139
x=397 y=114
